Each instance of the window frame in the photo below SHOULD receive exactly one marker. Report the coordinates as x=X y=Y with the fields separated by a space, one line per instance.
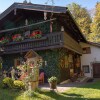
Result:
x=87 y=50
x=86 y=68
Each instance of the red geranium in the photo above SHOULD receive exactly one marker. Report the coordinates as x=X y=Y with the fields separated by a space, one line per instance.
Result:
x=17 y=37
x=33 y=34
x=4 y=40
x=36 y=34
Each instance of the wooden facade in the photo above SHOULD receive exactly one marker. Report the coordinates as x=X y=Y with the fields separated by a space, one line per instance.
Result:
x=60 y=49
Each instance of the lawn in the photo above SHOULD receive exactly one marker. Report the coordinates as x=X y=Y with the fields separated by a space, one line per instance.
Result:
x=86 y=92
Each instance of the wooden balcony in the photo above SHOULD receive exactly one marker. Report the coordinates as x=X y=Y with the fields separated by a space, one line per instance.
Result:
x=49 y=41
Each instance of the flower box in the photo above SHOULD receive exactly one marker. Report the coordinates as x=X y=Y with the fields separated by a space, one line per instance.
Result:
x=4 y=40
x=36 y=34
x=17 y=37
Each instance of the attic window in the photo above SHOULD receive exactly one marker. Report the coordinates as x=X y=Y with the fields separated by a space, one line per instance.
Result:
x=86 y=50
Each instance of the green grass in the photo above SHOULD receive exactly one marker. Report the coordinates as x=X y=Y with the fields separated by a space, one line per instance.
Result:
x=87 y=92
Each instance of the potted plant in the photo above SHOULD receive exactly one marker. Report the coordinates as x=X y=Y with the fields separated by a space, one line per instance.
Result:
x=52 y=82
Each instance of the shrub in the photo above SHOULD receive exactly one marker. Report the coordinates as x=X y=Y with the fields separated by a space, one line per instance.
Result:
x=7 y=83
x=19 y=84
x=52 y=79
x=1 y=85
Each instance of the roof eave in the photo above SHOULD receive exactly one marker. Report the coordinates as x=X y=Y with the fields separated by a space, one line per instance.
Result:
x=34 y=7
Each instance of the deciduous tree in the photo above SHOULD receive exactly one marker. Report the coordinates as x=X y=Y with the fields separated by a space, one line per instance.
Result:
x=82 y=17
x=95 y=26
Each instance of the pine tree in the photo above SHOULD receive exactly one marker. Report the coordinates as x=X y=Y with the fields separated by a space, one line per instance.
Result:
x=95 y=26
x=82 y=17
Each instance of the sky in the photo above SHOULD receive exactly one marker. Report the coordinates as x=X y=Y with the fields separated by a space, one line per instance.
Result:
x=89 y=4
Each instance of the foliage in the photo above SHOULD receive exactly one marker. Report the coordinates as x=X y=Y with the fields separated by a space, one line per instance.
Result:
x=95 y=26
x=54 y=63
x=82 y=17
x=17 y=37
x=19 y=84
x=4 y=40
x=52 y=79
x=7 y=82
x=35 y=72
x=36 y=34
x=52 y=59
x=86 y=92
x=9 y=24
x=0 y=65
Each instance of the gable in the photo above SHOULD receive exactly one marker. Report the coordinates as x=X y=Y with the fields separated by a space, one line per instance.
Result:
x=31 y=54
x=62 y=14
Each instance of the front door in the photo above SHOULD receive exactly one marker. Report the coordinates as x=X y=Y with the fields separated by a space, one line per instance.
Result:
x=96 y=70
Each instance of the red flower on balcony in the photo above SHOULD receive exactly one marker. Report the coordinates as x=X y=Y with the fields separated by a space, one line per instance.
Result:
x=17 y=37
x=4 y=40
x=36 y=34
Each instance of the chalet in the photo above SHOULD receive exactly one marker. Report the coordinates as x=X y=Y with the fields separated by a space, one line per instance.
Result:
x=50 y=31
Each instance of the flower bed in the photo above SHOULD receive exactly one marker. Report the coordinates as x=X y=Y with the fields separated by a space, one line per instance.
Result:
x=17 y=37
x=4 y=40
x=36 y=34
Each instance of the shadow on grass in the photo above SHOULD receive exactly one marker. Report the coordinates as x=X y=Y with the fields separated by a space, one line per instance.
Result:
x=63 y=96
x=72 y=95
x=58 y=96
x=42 y=95
x=76 y=95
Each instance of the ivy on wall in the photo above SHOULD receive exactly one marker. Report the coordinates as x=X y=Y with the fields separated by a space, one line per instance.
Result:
x=55 y=66
x=55 y=59
x=9 y=24
x=52 y=68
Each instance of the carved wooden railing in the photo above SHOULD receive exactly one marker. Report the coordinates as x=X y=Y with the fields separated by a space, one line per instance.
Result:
x=52 y=40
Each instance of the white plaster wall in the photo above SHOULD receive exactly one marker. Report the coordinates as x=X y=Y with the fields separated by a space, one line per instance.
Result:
x=87 y=59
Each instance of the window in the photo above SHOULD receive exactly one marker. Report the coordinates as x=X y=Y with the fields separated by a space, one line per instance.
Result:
x=86 y=50
x=86 y=68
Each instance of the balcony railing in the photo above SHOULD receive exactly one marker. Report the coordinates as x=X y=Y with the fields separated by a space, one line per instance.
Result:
x=52 y=40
